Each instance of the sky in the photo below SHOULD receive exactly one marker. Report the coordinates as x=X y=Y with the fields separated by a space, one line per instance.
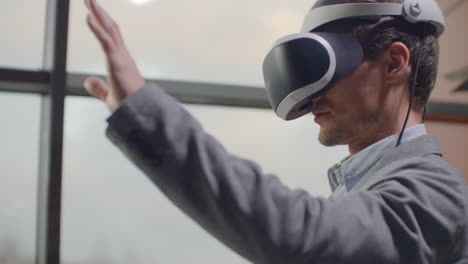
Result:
x=110 y=209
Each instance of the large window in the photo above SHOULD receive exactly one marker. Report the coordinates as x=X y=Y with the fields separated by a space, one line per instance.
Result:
x=19 y=138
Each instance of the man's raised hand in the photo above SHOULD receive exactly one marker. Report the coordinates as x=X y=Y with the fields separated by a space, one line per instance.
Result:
x=124 y=78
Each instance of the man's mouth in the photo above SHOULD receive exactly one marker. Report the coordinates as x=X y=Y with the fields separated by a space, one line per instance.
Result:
x=320 y=116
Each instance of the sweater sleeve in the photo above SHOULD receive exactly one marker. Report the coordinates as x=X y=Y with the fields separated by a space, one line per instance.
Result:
x=254 y=213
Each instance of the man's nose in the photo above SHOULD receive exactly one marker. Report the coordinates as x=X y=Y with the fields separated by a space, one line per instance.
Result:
x=317 y=100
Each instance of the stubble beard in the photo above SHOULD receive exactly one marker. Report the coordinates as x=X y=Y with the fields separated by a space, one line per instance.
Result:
x=332 y=136
x=341 y=135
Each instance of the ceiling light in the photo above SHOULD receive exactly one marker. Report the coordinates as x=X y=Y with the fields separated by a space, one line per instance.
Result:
x=140 y=2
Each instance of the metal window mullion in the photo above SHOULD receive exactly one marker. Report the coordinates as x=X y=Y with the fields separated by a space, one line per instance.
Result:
x=14 y=80
x=194 y=92
x=51 y=135
x=250 y=96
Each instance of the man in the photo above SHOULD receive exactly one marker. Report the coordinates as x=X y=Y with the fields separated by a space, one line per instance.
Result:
x=402 y=205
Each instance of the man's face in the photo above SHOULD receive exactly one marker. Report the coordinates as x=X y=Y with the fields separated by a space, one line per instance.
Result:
x=349 y=112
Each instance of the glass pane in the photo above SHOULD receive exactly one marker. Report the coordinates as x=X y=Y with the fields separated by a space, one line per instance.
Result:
x=22 y=31
x=113 y=214
x=19 y=138
x=212 y=41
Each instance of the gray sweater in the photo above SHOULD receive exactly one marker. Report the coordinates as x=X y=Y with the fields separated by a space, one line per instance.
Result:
x=409 y=208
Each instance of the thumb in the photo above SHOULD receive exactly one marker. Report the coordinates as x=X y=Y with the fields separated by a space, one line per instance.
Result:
x=97 y=87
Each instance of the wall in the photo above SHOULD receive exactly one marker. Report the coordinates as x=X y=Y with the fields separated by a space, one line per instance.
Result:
x=453 y=140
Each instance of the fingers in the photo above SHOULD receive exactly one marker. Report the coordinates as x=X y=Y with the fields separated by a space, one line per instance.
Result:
x=124 y=78
x=104 y=39
x=88 y=4
x=97 y=88
x=103 y=26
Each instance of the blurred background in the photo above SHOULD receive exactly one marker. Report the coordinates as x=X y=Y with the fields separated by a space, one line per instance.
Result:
x=110 y=212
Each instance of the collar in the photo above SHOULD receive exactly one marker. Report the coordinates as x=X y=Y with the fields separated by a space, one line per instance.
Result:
x=346 y=174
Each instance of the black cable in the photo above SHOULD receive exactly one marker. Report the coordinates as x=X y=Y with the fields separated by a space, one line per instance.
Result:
x=424 y=113
x=413 y=88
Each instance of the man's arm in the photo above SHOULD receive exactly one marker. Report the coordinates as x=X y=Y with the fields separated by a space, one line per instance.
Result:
x=266 y=222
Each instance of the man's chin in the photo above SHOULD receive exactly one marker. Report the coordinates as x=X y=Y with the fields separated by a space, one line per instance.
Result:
x=331 y=137
x=326 y=143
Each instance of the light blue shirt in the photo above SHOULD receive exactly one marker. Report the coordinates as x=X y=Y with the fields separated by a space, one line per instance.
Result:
x=346 y=174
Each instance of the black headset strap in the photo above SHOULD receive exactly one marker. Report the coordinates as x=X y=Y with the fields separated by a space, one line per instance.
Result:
x=424 y=113
x=413 y=87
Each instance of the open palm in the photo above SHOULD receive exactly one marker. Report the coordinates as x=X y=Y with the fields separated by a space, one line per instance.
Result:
x=124 y=78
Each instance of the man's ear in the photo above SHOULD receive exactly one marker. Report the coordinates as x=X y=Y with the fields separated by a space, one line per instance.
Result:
x=397 y=59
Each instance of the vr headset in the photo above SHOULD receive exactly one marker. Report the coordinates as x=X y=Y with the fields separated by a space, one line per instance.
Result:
x=303 y=66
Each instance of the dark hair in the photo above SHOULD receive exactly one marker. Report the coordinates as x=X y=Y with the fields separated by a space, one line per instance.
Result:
x=377 y=37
